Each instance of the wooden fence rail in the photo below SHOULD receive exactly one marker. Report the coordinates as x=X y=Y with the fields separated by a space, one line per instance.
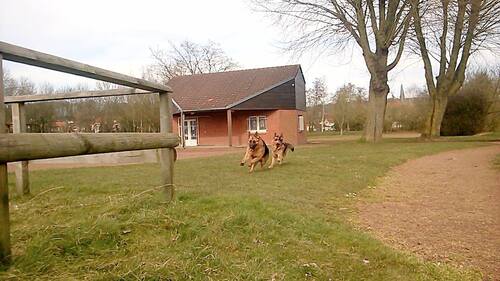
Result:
x=21 y=146
x=26 y=146
x=31 y=57
x=76 y=95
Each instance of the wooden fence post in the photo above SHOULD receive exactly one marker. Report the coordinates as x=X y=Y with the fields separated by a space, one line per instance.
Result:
x=21 y=168
x=166 y=154
x=5 y=252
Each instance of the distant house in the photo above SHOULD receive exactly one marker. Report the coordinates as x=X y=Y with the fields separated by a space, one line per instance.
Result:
x=58 y=126
x=221 y=108
x=328 y=126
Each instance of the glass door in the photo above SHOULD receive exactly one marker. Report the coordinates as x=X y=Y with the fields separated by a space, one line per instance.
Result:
x=191 y=132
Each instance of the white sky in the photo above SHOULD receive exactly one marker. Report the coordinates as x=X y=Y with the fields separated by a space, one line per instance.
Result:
x=117 y=35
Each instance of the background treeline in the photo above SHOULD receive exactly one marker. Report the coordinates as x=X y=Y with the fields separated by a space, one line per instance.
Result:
x=474 y=109
x=134 y=113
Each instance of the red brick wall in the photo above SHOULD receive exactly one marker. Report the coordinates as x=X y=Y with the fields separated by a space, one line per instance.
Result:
x=289 y=125
x=212 y=126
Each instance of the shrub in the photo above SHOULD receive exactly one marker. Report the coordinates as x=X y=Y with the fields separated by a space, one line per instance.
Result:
x=467 y=112
x=464 y=115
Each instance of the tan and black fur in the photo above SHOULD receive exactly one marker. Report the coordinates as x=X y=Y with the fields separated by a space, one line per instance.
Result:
x=280 y=147
x=257 y=151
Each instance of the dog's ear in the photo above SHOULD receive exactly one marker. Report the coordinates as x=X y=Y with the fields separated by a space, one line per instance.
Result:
x=249 y=133
x=256 y=134
x=275 y=134
x=281 y=135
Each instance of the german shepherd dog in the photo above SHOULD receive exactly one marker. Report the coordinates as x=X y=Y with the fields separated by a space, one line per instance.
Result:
x=257 y=151
x=280 y=147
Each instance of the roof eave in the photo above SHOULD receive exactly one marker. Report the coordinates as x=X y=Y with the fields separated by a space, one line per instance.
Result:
x=177 y=105
x=259 y=93
x=203 y=109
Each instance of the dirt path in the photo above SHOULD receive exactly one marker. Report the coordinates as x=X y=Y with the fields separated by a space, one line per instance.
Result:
x=443 y=207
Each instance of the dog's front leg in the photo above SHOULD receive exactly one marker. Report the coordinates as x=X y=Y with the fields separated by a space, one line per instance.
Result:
x=252 y=166
x=280 y=159
x=255 y=160
x=245 y=158
x=273 y=160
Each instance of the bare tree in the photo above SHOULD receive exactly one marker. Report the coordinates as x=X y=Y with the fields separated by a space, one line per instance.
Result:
x=346 y=105
x=448 y=32
x=316 y=98
x=190 y=58
x=340 y=106
x=18 y=87
x=378 y=28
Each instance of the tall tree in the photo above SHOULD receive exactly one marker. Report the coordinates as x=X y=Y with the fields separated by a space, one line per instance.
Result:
x=346 y=105
x=447 y=33
x=316 y=98
x=340 y=106
x=379 y=28
x=190 y=58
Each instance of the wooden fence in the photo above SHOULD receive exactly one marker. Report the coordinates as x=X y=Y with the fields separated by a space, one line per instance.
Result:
x=21 y=147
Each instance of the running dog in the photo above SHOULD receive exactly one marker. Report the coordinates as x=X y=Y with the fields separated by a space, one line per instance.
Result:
x=280 y=147
x=257 y=151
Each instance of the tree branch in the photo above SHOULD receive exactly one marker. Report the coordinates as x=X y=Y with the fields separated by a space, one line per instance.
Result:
x=423 y=47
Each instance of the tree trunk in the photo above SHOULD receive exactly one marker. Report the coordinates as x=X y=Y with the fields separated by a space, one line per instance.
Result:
x=342 y=127
x=435 y=116
x=377 y=103
x=323 y=118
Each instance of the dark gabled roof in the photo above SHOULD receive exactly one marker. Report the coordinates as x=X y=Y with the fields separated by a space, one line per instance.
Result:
x=225 y=89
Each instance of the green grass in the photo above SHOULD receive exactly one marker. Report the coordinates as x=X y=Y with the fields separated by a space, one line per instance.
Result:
x=290 y=223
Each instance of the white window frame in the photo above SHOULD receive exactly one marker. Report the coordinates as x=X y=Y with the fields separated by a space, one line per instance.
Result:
x=301 y=122
x=259 y=130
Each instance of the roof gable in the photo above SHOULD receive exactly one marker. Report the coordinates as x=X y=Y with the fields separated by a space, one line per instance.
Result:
x=223 y=89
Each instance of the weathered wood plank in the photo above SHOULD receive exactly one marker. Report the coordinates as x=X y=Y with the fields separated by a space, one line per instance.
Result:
x=20 y=147
x=18 y=118
x=21 y=168
x=165 y=113
x=3 y=126
x=31 y=57
x=5 y=252
x=76 y=95
x=22 y=177
x=166 y=155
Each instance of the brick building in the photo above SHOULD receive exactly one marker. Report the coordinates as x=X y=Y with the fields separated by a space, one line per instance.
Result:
x=221 y=108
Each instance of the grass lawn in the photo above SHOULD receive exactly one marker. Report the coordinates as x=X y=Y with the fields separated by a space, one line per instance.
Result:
x=289 y=223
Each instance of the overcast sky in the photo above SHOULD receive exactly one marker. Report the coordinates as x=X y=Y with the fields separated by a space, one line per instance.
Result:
x=117 y=35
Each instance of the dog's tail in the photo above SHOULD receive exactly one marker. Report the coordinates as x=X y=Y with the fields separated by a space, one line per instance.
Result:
x=287 y=146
